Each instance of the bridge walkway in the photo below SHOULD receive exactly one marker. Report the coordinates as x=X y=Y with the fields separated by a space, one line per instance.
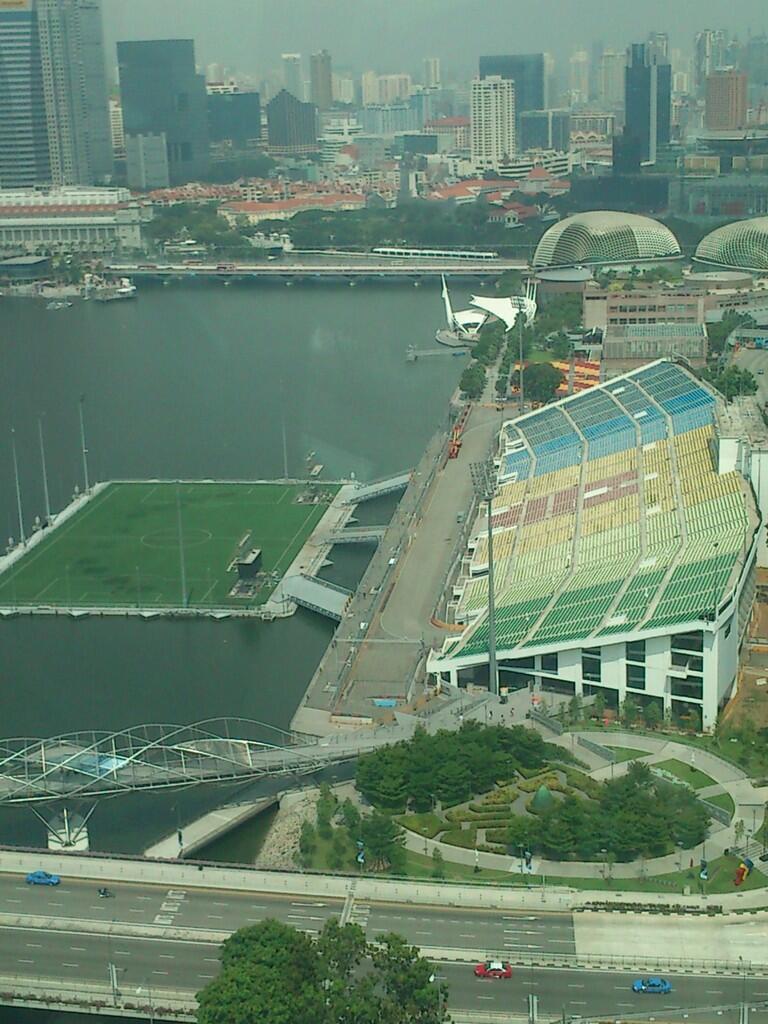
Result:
x=317 y=595
x=356 y=535
x=378 y=488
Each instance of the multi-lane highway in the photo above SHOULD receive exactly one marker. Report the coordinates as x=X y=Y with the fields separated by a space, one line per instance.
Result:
x=64 y=946
x=478 y=931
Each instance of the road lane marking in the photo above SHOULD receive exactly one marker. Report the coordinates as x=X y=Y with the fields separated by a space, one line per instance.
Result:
x=577 y=1002
x=9 y=900
x=25 y=961
x=467 y=936
x=576 y=986
x=55 y=904
x=214 y=904
x=121 y=952
x=77 y=949
x=205 y=975
x=144 y=898
x=304 y=917
x=166 y=956
x=69 y=965
x=485 y=997
x=39 y=945
x=215 y=917
x=159 y=972
x=422 y=933
x=210 y=959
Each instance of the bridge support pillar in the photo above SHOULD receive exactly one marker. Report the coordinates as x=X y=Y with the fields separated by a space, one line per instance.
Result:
x=67 y=830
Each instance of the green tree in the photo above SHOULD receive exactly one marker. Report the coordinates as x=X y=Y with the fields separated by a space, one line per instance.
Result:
x=732 y=382
x=272 y=974
x=560 y=346
x=438 y=864
x=351 y=817
x=383 y=840
x=472 y=380
x=307 y=839
x=652 y=715
x=629 y=711
x=541 y=381
x=598 y=706
x=338 y=851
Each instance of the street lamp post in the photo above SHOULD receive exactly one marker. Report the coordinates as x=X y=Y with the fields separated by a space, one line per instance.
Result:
x=484 y=483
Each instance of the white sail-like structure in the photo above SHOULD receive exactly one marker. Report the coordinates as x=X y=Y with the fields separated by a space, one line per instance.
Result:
x=509 y=309
x=464 y=323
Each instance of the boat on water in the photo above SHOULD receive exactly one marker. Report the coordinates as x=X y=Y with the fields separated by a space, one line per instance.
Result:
x=58 y=304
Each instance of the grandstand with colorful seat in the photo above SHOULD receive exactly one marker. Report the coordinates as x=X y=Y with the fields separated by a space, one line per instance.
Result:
x=625 y=544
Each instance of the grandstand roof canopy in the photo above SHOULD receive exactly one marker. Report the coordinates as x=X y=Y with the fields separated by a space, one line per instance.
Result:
x=610 y=520
x=742 y=245
x=604 y=237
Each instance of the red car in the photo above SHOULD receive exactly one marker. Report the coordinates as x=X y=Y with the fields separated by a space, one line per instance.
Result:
x=493 y=969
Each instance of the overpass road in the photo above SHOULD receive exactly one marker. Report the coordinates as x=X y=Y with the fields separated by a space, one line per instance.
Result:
x=477 y=931
x=186 y=967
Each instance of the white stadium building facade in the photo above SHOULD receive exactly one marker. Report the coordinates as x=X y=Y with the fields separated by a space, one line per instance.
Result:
x=625 y=534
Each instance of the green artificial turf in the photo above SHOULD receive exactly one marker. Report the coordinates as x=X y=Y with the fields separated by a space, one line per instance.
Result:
x=122 y=549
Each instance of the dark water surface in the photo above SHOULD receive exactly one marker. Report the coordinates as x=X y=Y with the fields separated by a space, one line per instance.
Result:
x=194 y=381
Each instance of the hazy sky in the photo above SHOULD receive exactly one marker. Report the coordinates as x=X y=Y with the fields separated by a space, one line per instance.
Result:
x=393 y=35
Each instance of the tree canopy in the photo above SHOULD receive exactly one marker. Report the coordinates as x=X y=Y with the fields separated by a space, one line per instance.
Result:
x=732 y=382
x=541 y=381
x=447 y=766
x=633 y=815
x=273 y=974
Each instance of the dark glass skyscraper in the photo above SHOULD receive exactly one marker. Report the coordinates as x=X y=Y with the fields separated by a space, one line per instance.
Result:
x=234 y=117
x=292 y=125
x=24 y=157
x=163 y=96
x=648 y=104
x=527 y=72
x=54 y=119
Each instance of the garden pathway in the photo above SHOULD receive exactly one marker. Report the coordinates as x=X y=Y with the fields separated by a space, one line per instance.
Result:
x=750 y=802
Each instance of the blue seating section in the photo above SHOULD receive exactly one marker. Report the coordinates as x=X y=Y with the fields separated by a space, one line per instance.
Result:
x=517 y=464
x=607 y=429
x=644 y=412
x=688 y=404
x=550 y=434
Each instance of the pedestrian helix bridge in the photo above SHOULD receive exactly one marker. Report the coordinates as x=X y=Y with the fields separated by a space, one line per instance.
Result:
x=151 y=757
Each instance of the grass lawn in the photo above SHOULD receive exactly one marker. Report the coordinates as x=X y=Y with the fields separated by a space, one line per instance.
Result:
x=627 y=753
x=723 y=800
x=427 y=824
x=687 y=773
x=122 y=548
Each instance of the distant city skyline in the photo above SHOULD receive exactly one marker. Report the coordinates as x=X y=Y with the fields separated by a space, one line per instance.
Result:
x=251 y=35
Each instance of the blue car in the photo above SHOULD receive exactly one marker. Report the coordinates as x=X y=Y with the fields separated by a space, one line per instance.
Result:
x=654 y=986
x=42 y=878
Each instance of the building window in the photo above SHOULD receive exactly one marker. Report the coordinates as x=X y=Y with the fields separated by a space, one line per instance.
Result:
x=690 y=688
x=591 y=664
x=688 y=641
x=549 y=663
x=636 y=676
x=636 y=651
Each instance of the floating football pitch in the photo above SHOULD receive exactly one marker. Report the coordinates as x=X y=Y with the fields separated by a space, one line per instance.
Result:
x=132 y=545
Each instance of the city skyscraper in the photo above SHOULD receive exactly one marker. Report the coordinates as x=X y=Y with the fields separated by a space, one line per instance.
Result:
x=579 y=83
x=432 y=72
x=526 y=70
x=493 y=121
x=611 y=77
x=321 y=80
x=708 y=54
x=648 y=102
x=164 y=100
x=24 y=157
x=291 y=125
x=292 y=76
x=54 y=117
x=725 y=105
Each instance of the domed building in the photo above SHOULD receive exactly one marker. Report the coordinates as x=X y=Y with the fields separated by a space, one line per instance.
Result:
x=742 y=245
x=605 y=237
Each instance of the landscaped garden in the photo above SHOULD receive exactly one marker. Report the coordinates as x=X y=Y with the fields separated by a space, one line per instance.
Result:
x=506 y=791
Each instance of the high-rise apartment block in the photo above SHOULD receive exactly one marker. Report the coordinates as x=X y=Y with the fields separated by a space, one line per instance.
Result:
x=320 y=80
x=493 y=122
x=292 y=125
x=164 y=102
x=432 y=73
x=709 y=53
x=726 y=100
x=293 y=80
x=526 y=70
x=117 y=131
x=54 y=120
x=545 y=129
x=648 y=103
